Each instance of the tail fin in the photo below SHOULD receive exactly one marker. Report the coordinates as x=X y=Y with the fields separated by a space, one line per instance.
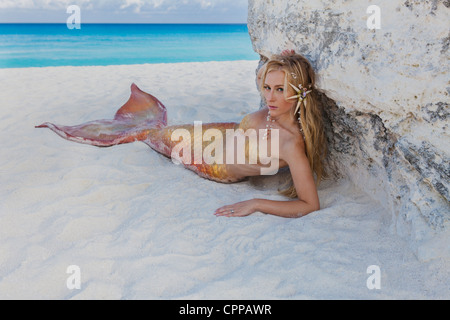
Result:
x=131 y=123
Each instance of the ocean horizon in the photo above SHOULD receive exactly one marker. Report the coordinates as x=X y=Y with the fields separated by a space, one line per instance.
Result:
x=24 y=45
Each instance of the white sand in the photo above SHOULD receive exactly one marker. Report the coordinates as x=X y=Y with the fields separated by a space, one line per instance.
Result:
x=138 y=226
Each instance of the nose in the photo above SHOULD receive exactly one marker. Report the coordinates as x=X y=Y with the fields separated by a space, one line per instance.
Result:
x=270 y=96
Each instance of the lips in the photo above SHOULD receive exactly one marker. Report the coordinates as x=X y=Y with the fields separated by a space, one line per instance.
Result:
x=272 y=107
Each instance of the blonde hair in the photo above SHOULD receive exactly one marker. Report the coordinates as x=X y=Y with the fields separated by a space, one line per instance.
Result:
x=298 y=71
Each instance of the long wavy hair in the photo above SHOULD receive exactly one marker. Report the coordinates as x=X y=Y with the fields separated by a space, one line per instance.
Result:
x=298 y=71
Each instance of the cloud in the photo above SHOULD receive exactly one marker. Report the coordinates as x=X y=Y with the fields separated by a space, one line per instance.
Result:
x=126 y=11
x=41 y=4
x=136 y=5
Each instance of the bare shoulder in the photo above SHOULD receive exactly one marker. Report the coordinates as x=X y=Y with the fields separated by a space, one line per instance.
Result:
x=253 y=120
x=292 y=147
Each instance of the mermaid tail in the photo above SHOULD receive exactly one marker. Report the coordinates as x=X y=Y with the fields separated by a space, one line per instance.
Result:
x=164 y=141
x=144 y=118
x=131 y=123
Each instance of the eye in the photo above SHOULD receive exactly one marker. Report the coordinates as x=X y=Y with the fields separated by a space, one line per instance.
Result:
x=280 y=89
x=267 y=88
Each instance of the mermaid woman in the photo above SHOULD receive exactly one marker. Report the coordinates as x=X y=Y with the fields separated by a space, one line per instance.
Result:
x=292 y=117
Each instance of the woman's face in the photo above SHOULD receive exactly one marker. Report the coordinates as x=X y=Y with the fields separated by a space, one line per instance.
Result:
x=274 y=94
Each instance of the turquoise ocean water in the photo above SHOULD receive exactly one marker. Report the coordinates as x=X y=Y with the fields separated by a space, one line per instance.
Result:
x=42 y=45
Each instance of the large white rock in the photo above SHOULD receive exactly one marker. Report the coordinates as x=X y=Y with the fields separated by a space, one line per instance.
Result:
x=386 y=94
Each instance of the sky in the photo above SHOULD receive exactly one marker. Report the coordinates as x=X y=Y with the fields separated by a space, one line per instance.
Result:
x=125 y=11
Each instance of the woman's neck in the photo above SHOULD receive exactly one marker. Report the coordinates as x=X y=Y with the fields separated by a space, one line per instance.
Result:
x=285 y=120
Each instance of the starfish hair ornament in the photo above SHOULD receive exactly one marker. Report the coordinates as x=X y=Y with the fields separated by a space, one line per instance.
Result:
x=301 y=94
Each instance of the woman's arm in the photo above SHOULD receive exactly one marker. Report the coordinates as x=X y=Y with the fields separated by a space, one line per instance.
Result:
x=308 y=199
x=286 y=209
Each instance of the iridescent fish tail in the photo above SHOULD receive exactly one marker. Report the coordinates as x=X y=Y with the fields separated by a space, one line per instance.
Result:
x=131 y=123
x=144 y=118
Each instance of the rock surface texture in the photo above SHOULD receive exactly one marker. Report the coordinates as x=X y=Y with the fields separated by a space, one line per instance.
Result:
x=385 y=94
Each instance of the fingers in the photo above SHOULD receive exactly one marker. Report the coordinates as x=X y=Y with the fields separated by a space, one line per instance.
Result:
x=240 y=209
x=288 y=52
x=231 y=211
x=226 y=211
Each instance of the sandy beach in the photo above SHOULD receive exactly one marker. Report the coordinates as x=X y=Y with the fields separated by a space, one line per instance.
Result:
x=139 y=227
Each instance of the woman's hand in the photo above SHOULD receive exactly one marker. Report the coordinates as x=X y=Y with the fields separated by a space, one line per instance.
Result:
x=288 y=52
x=240 y=209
